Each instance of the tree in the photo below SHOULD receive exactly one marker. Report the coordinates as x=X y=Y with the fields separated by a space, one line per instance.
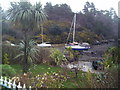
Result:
x=39 y=15
x=61 y=12
x=32 y=51
x=26 y=17
x=55 y=30
x=48 y=7
x=89 y=8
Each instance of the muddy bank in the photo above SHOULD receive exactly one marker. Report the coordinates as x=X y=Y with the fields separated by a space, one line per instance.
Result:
x=96 y=52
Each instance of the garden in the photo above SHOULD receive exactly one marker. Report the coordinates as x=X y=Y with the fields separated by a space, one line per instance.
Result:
x=38 y=67
x=46 y=72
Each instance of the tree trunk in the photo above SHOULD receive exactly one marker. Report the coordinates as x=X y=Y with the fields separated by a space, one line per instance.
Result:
x=25 y=61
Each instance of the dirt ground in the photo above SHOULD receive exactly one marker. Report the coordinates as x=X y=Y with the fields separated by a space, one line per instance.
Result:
x=96 y=52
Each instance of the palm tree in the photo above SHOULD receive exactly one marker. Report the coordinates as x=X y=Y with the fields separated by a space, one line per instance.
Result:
x=26 y=17
x=40 y=17
x=32 y=50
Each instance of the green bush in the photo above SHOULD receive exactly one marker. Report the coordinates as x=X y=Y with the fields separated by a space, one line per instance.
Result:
x=6 y=58
x=111 y=57
x=71 y=54
x=57 y=56
x=11 y=53
x=107 y=79
x=7 y=70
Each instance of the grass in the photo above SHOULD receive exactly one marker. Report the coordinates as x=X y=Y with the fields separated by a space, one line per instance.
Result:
x=79 y=82
x=17 y=68
x=73 y=82
x=42 y=68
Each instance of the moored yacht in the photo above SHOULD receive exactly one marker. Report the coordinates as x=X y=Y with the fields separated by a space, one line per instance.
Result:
x=75 y=45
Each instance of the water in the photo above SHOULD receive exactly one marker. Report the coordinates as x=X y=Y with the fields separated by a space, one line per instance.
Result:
x=82 y=65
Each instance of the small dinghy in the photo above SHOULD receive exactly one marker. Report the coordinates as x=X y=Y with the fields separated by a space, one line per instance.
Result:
x=44 y=45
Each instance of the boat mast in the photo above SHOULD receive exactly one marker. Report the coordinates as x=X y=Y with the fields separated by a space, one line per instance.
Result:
x=74 y=28
x=42 y=32
x=70 y=30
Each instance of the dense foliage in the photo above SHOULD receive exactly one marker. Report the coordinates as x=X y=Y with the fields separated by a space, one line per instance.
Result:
x=111 y=57
x=57 y=56
x=7 y=70
x=9 y=53
x=26 y=17
x=91 y=24
x=32 y=52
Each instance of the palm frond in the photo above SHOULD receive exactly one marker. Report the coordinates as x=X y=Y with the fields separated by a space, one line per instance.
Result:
x=32 y=50
x=19 y=55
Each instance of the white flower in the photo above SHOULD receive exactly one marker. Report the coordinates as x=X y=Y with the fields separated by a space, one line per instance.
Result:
x=42 y=78
x=56 y=74
x=25 y=74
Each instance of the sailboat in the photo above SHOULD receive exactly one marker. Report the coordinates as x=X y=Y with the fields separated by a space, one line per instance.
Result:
x=43 y=44
x=75 y=45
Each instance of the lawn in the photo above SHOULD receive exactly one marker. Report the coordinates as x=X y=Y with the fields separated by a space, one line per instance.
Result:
x=38 y=69
x=73 y=82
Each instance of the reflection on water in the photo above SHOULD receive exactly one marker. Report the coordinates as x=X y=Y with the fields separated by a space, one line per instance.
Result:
x=84 y=66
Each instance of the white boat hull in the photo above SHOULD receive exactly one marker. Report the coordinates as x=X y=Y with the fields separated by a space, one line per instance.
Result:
x=44 y=45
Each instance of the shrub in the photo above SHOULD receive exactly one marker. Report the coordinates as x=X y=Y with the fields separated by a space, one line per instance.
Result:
x=57 y=56
x=7 y=70
x=107 y=79
x=111 y=57
x=69 y=53
x=43 y=56
x=6 y=58
x=11 y=53
x=72 y=55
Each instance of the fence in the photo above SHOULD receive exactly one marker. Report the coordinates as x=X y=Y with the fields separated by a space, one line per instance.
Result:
x=12 y=85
